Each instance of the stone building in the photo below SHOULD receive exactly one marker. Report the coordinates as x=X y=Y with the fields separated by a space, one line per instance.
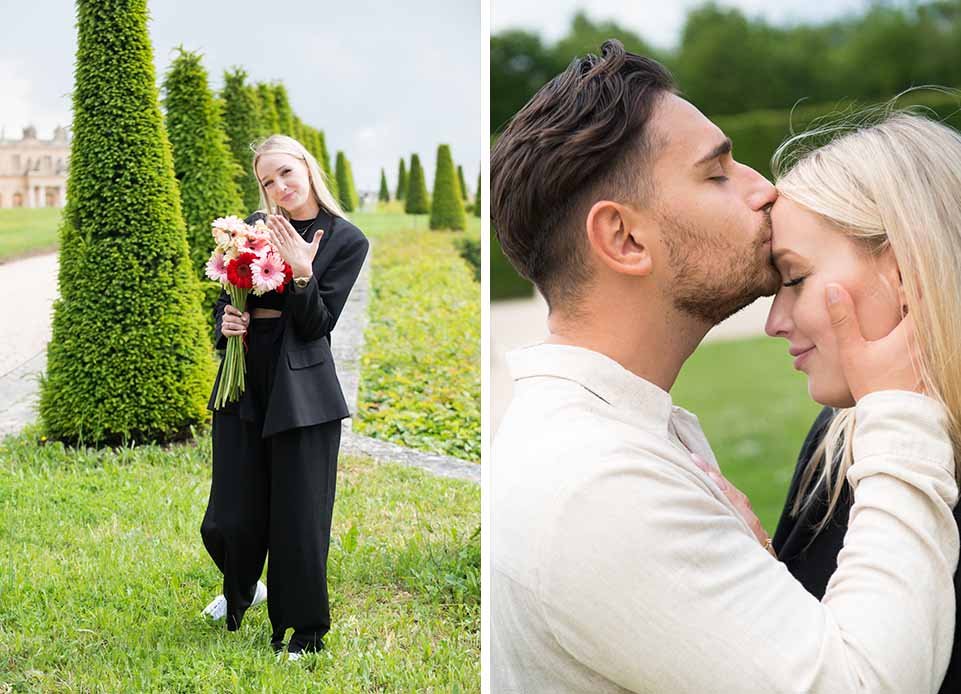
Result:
x=33 y=172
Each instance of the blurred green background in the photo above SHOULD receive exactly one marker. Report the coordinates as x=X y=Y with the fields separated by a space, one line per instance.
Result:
x=748 y=74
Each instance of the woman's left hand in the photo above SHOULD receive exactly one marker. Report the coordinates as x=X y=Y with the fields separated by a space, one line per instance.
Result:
x=298 y=253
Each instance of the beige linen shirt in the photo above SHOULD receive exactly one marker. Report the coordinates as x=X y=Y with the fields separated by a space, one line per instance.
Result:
x=618 y=565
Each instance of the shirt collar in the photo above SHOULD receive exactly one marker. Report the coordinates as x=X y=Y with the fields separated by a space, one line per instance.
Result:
x=597 y=373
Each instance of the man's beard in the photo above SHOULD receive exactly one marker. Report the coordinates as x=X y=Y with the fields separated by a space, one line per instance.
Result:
x=713 y=278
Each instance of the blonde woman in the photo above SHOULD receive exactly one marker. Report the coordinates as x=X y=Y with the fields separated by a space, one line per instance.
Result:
x=877 y=211
x=275 y=450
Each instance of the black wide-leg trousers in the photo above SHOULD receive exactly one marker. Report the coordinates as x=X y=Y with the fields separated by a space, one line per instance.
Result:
x=277 y=495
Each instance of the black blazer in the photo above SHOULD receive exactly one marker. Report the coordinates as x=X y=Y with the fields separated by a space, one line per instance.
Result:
x=812 y=559
x=306 y=390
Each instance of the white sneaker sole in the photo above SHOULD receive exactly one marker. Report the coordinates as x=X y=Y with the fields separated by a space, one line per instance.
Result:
x=217 y=609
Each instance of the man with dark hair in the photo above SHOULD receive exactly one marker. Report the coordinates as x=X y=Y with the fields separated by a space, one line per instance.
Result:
x=622 y=559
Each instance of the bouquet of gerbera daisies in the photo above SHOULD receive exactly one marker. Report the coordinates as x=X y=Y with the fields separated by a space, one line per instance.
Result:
x=244 y=261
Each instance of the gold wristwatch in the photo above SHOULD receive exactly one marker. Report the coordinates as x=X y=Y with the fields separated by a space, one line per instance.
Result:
x=301 y=282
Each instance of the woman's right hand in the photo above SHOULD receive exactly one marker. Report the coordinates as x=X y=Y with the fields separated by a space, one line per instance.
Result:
x=234 y=322
x=890 y=363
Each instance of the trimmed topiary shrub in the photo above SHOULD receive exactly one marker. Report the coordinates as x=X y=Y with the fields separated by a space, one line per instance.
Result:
x=130 y=358
x=416 y=201
x=270 y=123
x=477 y=198
x=242 y=125
x=463 y=184
x=447 y=205
x=202 y=163
x=401 y=181
x=347 y=196
x=384 y=195
x=285 y=114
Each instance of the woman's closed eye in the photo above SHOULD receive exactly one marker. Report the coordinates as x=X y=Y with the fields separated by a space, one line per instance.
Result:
x=795 y=282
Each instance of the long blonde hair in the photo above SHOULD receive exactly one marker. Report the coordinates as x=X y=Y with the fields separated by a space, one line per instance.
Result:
x=892 y=180
x=318 y=180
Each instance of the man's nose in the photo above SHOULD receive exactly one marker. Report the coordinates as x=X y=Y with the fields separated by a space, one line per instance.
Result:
x=762 y=193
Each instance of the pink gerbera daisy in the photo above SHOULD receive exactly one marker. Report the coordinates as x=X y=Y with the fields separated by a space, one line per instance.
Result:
x=268 y=273
x=217 y=267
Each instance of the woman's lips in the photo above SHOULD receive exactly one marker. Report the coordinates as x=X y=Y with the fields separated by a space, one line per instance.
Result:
x=288 y=196
x=800 y=356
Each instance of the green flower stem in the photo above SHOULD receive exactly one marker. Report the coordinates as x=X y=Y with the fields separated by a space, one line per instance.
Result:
x=232 y=378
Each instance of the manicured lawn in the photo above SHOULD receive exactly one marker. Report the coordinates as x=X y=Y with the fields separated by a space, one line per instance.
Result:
x=420 y=380
x=25 y=231
x=755 y=410
x=104 y=577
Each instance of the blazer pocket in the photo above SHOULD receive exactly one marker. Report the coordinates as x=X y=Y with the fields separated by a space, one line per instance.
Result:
x=309 y=356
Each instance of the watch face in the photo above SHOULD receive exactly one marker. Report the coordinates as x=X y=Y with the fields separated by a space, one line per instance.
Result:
x=301 y=282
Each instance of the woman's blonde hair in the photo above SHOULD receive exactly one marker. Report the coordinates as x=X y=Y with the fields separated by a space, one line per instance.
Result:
x=890 y=180
x=318 y=180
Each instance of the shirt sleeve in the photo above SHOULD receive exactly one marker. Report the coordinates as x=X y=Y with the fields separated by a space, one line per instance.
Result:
x=651 y=581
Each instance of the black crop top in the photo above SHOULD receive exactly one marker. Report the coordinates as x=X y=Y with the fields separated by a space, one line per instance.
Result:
x=273 y=299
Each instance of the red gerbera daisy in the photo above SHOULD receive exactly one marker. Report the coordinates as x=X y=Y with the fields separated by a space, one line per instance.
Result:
x=238 y=271
x=288 y=276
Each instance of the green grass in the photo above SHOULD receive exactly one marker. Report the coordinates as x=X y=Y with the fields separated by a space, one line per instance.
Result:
x=104 y=577
x=420 y=372
x=755 y=410
x=25 y=231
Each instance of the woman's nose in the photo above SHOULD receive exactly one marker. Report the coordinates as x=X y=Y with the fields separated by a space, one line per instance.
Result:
x=778 y=322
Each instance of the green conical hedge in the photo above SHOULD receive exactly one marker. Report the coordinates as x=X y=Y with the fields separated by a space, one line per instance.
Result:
x=401 y=181
x=285 y=114
x=416 y=201
x=447 y=204
x=130 y=357
x=463 y=184
x=270 y=122
x=347 y=194
x=384 y=195
x=203 y=162
x=242 y=125
x=477 y=197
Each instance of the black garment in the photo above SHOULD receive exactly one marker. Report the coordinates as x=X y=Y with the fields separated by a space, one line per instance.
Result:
x=277 y=494
x=275 y=450
x=306 y=390
x=812 y=559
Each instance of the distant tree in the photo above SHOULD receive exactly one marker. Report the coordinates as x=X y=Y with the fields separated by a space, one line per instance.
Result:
x=401 y=181
x=460 y=181
x=477 y=198
x=203 y=162
x=345 y=184
x=447 y=202
x=242 y=125
x=384 y=195
x=416 y=201
x=285 y=114
x=270 y=124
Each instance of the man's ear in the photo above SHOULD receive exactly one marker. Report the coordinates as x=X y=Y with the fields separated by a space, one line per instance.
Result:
x=620 y=238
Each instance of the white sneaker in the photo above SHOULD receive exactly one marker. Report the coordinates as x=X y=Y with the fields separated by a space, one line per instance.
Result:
x=217 y=609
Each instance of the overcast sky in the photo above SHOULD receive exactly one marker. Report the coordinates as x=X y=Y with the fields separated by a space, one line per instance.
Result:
x=657 y=22
x=381 y=79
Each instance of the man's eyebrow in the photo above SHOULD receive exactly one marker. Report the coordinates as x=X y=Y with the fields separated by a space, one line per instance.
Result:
x=720 y=149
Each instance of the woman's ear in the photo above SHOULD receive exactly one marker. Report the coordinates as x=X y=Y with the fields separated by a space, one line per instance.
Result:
x=618 y=238
x=891 y=274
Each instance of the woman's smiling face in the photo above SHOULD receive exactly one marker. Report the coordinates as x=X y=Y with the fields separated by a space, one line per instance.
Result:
x=809 y=253
x=286 y=180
